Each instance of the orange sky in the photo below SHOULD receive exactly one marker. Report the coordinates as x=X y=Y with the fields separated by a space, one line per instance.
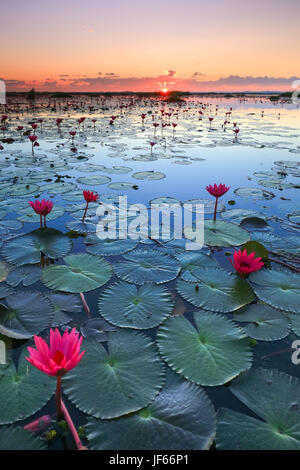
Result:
x=192 y=45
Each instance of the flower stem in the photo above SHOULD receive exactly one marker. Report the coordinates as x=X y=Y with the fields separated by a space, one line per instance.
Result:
x=216 y=207
x=58 y=398
x=44 y=221
x=72 y=427
x=85 y=305
x=87 y=205
x=41 y=221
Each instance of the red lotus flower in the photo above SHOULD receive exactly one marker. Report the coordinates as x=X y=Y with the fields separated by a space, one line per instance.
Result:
x=32 y=138
x=43 y=208
x=245 y=264
x=90 y=196
x=59 y=121
x=217 y=191
x=62 y=356
x=34 y=126
x=20 y=128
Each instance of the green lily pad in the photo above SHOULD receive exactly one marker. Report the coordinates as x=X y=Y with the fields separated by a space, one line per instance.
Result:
x=16 y=438
x=123 y=379
x=274 y=397
x=28 y=248
x=191 y=261
x=216 y=290
x=25 y=275
x=280 y=289
x=220 y=233
x=211 y=353
x=264 y=323
x=148 y=175
x=26 y=315
x=142 y=266
x=162 y=425
x=82 y=273
x=255 y=193
x=57 y=188
x=28 y=215
x=23 y=390
x=63 y=304
x=94 y=180
x=127 y=305
x=108 y=247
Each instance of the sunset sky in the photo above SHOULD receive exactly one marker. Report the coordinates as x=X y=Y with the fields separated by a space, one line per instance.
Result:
x=138 y=45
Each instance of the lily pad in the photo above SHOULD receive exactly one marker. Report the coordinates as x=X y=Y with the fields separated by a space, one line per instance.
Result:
x=148 y=175
x=25 y=275
x=123 y=379
x=23 y=390
x=127 y=305
x=82 y=273
x=16 y=438
x=29 y=248
x=211 y=353
x=143 y=266
x=216 y=290
x=274 y=397
x=280 y=289
x=220 y=233
x=255 y=193
x=191 y=261
x=108 y=247
x=264 y=323
x=26 y=315
x=162 y=425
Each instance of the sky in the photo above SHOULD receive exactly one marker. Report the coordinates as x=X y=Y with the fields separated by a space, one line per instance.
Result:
x=142 y=45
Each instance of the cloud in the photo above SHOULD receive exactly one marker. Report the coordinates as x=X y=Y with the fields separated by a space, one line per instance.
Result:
x=111 y=81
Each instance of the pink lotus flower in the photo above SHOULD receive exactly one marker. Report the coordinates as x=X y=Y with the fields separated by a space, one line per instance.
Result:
x=245 y=264
x=43 y=208
x=217 y=191
x=62 y=356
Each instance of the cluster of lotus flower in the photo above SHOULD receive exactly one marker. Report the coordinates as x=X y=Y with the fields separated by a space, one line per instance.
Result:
x=242 y=262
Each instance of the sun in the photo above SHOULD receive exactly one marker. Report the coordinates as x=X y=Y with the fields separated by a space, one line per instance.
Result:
x=165 y=90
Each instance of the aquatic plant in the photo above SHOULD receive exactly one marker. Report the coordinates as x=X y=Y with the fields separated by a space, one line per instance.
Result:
x=217 y=191
x=89 y=196
x=245 y=264
x=43 y=208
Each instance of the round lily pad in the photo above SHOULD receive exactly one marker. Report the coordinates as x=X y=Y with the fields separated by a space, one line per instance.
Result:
x=191 y=261
x=216 y=290
x=29 y=248
x=274 y=397
x=143 y=266
x=26 y=315
x=94 y=180
x=220 y=233
x=162 y=425
x=62 y=304
x=148 y=175
x=264 y=323
x=96 y=246
x=280 y=289
x=211 y=353
x=23 y=390
x=127 y=305
x=16 y=438
x=255 y=193
x=123 y=378
x=25 y=275
x=81 y=273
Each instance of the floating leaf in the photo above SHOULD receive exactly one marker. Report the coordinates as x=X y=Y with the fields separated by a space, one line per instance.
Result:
x=123 y=379
x=257 y=248
x=216 y=290
x=162 y=425
x=264 y=323
x=127 y=305
x=23 y=390
x=220 y=233
x=280 y=289
x=81 y=273
x=211 y=353
x=108 y=247
x=26 y=315
x=28 y=248
x=16 y=438
x=191 y=261
x=274 y=397
x=143 y=266
x=25 y=275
